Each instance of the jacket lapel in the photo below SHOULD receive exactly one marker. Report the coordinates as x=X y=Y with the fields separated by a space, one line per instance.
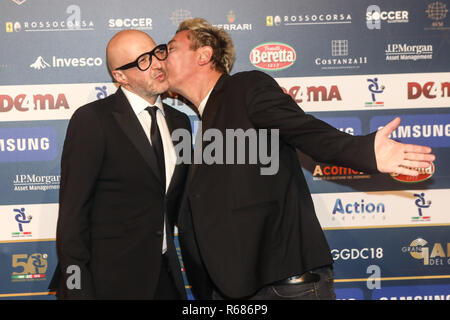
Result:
x=211 y=109
x=175 y=121
x=131 y=126
x=209 y=117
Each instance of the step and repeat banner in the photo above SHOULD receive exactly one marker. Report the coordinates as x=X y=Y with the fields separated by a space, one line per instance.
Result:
x=356 y=64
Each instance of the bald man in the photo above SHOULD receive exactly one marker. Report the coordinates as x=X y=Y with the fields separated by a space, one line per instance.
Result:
x=120 y=185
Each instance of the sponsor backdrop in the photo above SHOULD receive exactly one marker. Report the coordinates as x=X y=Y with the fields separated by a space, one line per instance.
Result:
x=353 y=63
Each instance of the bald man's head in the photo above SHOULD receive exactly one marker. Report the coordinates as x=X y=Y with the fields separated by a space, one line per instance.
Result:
x=125 y=47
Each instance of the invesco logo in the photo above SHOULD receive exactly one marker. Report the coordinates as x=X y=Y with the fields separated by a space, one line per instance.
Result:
x=41 y=63
x=273 y=56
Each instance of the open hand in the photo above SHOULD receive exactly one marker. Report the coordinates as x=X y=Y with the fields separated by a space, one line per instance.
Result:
x=396 y=157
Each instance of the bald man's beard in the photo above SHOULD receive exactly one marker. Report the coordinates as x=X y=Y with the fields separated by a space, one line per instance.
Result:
x=159 y=86
x=153 y=89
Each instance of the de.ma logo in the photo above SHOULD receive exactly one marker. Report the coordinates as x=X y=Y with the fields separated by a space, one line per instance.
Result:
x=28 y=144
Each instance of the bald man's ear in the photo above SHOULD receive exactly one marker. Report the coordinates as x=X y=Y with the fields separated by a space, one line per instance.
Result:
x=205 y=55
x=120 y=77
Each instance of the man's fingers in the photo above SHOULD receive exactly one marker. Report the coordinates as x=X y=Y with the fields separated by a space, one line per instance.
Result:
x=420 y=157
x=406 y=171
x=416 y=148
x=390 y=127
x=415 y=164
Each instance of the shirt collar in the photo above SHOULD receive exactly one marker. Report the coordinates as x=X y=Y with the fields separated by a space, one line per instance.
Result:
x=202 y=105
x=138 y=104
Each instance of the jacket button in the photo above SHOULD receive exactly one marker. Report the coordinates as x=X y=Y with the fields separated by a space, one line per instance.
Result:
x=159 y=233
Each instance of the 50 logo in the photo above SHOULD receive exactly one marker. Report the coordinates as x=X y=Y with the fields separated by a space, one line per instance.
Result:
x=29 y=267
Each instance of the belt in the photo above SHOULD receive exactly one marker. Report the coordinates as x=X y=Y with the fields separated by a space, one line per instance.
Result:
x=307 y=277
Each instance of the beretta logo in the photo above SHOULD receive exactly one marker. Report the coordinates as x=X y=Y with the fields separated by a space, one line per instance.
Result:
x=273 y=56
x=424 y=174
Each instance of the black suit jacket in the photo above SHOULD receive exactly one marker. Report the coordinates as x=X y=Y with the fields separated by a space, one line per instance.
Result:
x=255 y=229
x=112 y=204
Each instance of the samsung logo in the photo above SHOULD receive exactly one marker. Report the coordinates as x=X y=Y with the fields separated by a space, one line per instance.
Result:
x=425 y=130
x=431 y=130
x=24 y=144
x=350 y=125
x=28 y=144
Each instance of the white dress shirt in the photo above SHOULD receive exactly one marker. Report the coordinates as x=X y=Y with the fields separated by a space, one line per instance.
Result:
x=138 y=105
x=202 y=104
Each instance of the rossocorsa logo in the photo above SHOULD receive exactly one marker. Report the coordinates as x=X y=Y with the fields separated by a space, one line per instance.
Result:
x=28 y=144
x=273 y=56
x=309 y=19
x=72 y=22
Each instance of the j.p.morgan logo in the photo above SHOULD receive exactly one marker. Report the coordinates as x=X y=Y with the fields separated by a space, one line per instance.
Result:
x=34 y=182
x=407 y=52
x=273 y=56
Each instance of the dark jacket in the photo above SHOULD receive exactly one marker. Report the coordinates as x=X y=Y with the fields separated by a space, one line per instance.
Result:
x=254 y=229
x=112 y=204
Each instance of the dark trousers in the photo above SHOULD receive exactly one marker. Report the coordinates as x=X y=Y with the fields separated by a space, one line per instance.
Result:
x=320 y=290
x=166 y=289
